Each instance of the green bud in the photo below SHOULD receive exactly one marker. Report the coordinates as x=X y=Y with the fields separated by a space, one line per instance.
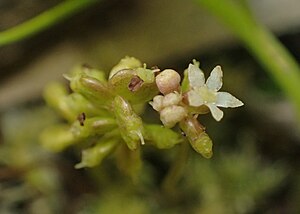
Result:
x=162 y=137
x=53 y=92
x=95 y=91
x=125 y=63
x=93 y=126
x=69 y=106
x=136 y=86
x=130 y=124
x=57 y=138
x=93 y=156
x=197 y=137
x=88 y=71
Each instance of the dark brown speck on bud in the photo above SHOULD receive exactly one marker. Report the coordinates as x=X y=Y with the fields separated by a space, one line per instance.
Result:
x=81 y=118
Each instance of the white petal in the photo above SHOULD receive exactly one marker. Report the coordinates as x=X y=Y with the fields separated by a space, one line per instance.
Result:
x=215 y=111
x=194 y=98
x=195 y=76
x=224 y=99
x=214 y=81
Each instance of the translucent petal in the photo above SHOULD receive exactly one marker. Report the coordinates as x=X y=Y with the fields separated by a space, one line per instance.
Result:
x=194 y=98
x=215 y=111
x=214 y=81
x=224 y=99
x=196 y=76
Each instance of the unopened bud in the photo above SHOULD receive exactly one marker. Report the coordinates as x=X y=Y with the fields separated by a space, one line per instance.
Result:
x=157 y=102
x=168 y=81
x=197 y=137
x=172 y=99
x=171 y=115
x=125 y=63
x=130 y=124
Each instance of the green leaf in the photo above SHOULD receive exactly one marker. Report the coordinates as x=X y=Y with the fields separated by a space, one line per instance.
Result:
x=162 y=137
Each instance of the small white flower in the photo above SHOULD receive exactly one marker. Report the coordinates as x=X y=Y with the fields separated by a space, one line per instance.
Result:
x=207 y=94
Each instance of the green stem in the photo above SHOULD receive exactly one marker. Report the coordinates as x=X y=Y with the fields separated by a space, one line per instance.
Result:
x=175 y=173
x=272 y=55
x=43 y=21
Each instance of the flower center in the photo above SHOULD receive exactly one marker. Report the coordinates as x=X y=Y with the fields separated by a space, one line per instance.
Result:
x=207 y=95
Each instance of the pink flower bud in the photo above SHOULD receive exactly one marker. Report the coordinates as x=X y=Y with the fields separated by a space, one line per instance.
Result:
x=168 y=81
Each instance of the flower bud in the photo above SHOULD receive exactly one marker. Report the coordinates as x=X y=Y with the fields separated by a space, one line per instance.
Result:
x=128 y=84
x=197 y=137
x=171 y=115
x=157 y=102
x=93 y=126
x=57 y=138
x=130 y=124
x=172 y=99
x=168 y=81
x=125 y=63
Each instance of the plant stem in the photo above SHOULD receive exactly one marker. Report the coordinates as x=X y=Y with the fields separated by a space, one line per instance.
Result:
x=43 y=21
x=272 y=55
x=175 y=173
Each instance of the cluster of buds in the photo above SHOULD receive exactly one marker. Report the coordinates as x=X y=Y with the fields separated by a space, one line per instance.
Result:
x=104 y=114
x=182 y=103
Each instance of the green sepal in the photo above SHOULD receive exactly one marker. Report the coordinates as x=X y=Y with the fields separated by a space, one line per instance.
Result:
x=185 y=86
x=197 y=137
x=161 y=137
x=57 y=138
x=145 y=91
x=93 y=156
x=145 y=74
x=130 y=124
x=93 y=126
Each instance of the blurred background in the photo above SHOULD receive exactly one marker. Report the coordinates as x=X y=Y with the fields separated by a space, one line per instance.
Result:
x=255 y=167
